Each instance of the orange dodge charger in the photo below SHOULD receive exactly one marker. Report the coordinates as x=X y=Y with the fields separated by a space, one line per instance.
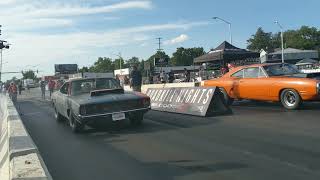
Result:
x=268 y=82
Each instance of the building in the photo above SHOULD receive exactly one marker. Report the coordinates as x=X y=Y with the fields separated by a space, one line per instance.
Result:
x=291 y=56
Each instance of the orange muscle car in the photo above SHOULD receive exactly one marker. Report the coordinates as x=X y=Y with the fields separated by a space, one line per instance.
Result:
x=268 y=82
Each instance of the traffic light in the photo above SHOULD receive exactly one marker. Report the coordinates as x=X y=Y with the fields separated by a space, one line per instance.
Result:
x=3 y=45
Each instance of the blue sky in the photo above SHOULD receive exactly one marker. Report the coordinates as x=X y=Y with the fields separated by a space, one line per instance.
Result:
x=44 y=32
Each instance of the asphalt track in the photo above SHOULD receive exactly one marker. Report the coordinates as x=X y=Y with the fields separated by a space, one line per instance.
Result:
x=258 y=141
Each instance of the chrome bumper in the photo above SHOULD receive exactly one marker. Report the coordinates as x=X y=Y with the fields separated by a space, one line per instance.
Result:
x=107 y=114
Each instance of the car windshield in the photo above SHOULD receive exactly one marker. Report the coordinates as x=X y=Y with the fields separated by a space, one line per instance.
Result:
x=88 y=85
x=281 y=69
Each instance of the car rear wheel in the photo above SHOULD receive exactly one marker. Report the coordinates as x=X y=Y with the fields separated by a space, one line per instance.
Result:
x=136 y=119
x=57 y=115
x=76 y=126
x=227 y=99
x=290 y=99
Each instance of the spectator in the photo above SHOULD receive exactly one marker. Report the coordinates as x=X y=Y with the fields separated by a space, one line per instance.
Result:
x=171 y=77
x=13 y=92
x=43 y=89
x=150 y=79
x=20 y=87
x=162 y=76
x=136 y=79
x=51 y=85
x=126 y=80
x=187 y=75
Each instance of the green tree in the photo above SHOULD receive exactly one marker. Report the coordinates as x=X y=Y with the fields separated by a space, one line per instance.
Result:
x=260 y=40
x=132 y=61
x=102 y=65
x=84 y=69
x=303 y=38
x=158 y=54
x=29 y=75
x=185 y=56
x=116 y=64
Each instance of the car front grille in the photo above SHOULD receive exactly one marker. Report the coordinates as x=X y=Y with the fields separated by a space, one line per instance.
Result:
x=113 y=107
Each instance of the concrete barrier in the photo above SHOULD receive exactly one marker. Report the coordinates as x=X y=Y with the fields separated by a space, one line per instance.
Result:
x=19 y=156
x=144 y=88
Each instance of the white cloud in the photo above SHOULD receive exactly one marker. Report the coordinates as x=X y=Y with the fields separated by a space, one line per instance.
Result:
x=67 y=10
x=32 y=14
x=177 y=40
x=30 y=45
x=6 y=2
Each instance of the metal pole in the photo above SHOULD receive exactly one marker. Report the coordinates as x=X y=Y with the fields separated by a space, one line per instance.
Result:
x=282 y=46
x=230 y=33
x=227 y=22
x=282 y=43
x=120 y=63
x=1 y=65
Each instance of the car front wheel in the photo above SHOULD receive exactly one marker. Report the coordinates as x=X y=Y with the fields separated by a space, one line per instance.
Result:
x=227 y=99
x=57 y=115
x=136 y=119
x=76 y=126
x=290 y=99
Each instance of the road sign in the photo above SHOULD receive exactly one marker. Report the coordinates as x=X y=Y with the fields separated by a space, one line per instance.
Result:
x=161 y=61
x=198 y=101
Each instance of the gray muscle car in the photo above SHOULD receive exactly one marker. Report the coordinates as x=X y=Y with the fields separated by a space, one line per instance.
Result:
x=83 y=101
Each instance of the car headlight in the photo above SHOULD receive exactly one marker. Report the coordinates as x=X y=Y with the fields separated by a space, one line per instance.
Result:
x=83 y=110
x=146 y=102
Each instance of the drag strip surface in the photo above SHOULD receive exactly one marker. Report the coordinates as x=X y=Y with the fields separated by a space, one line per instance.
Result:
x=258 y=141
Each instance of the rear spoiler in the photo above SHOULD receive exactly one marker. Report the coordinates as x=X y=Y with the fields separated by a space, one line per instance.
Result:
x=102 y=92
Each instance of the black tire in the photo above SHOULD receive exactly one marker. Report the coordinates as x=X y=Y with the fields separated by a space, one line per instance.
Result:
x=76 y=126
x=136 y=120
x=290 y=99
x=59 y=118
x=227 y=99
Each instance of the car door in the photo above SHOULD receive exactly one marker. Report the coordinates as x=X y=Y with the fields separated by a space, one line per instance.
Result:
x=253 y=84
x=61 y=99
x=234 y=91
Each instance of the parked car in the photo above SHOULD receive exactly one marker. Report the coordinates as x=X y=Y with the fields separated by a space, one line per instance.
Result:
x=83 y=101
x=268 y=82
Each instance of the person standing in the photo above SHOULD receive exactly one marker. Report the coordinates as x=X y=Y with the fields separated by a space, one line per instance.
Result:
x=171 y=77
x=136 y=79
x=20 y=87
x=187 y=75
x=51 y=85
x=13 y=92
x=43 y=89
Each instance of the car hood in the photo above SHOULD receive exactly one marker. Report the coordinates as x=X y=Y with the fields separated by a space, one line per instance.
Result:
x=86 y=99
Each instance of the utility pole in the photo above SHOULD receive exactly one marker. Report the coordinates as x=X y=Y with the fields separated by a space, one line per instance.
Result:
x=282 y=41
x=159 y=43
x=3 y=45
x=159 y=50
x=229 y=24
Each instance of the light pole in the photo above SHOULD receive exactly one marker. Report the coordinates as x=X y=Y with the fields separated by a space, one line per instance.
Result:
x=120 y=63
x=282 y=44
x=227 y=22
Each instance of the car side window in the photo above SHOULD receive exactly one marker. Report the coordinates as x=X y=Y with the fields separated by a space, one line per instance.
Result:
x=64 y=88
x=238 y=74
x=262 y=74
x=252 y=72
